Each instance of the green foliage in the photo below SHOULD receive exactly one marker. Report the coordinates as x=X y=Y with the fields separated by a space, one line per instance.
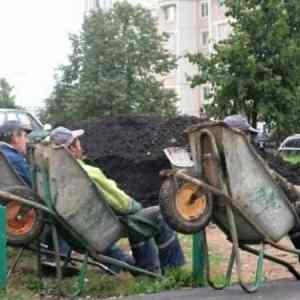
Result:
x=257 y=69
x=7 y=100
x=114 y=68
x=293 y=159
x=6 y=296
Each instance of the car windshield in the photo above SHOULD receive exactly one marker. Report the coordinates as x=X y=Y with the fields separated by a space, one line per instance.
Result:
x=28 y=120
x=291 y=144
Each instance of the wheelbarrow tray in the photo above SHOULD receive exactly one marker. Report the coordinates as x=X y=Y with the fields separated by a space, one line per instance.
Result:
x=78 y=203
x=261 y=207
x=8 y=175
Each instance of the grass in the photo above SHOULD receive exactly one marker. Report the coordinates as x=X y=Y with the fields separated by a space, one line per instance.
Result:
x=25 y=284
x=293 y=159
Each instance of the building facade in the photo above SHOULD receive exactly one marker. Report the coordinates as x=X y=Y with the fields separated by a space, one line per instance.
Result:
x=194 y=26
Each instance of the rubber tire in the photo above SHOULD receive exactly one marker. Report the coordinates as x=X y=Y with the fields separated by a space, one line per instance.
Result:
x=37 y=228
x=167 y=202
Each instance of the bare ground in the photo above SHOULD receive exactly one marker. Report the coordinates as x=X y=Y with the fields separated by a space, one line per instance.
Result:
x=221 y=247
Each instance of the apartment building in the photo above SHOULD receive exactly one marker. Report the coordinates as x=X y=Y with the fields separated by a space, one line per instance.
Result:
x=194 y=26
x=108 y=4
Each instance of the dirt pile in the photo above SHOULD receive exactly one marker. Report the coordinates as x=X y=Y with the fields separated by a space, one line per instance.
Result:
x=130 y=150
x=285 y=169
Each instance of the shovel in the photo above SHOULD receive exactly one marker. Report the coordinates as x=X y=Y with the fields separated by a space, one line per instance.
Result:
x=179 y=158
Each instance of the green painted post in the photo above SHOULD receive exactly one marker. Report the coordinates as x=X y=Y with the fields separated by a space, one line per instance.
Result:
x=3 y=253
x=199 y=259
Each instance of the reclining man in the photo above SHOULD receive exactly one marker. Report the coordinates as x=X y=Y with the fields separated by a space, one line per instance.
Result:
x=170 y=254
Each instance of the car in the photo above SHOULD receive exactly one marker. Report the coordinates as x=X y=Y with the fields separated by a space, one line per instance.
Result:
x=22 y=116
x=290 y=144
x=289 y=149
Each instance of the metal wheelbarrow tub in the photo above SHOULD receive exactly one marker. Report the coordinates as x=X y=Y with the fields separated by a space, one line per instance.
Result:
x=77 y=201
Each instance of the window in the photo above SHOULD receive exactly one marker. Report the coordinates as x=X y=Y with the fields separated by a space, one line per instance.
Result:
x=172 y=41
x=170 y=13
x=11 y=116
x=204 y=9
x=204 y=38
x=2 y=118
x=295 y=143
x=34 y=124
x=27 y=120
x=24 y=119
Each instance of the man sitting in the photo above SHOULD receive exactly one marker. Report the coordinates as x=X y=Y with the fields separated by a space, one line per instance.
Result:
x=13 y=145
x=169 y=251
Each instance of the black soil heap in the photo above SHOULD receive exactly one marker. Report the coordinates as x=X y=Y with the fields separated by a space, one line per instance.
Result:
x=285 y=169
x=130 y=150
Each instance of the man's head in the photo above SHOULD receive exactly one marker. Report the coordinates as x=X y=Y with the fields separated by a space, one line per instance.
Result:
x=15 y=134
x=241 y=123
x=62 y=136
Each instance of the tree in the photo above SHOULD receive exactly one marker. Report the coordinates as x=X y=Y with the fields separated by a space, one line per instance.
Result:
x=256 y=71
x=7 y=100
x=116 y=67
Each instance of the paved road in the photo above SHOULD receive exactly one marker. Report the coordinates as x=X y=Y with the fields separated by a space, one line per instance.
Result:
x=277 y=290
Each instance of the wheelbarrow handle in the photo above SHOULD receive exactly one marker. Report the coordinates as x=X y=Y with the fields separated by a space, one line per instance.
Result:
x=6 y=196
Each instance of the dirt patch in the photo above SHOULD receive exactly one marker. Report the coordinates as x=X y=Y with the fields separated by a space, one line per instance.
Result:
x=130 y=150
x=221 y=247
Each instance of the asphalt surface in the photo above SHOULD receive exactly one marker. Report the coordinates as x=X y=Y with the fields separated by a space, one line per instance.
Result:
x=276 y=290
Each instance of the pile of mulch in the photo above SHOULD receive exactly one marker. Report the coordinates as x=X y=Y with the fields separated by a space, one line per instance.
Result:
x=130 y=150
x=290 y=171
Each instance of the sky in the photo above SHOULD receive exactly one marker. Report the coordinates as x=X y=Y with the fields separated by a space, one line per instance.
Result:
x=34 y=42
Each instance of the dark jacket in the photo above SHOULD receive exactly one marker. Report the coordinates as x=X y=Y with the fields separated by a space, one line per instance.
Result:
x=18 y=162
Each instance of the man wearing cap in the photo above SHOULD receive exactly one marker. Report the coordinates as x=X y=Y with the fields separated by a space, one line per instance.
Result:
x=13 y=145
x=241 y=123
x=169 y=250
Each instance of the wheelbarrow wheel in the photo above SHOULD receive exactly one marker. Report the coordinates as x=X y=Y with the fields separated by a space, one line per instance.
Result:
x=186 y=210
x=24 y=223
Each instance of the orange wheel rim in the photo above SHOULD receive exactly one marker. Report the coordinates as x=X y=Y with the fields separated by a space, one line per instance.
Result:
x=19 y=223
x=190 y=204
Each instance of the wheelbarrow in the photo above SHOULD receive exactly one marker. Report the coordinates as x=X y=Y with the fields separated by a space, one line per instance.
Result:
x=64 y=198
x=229 y=184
